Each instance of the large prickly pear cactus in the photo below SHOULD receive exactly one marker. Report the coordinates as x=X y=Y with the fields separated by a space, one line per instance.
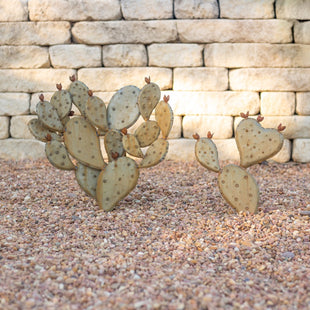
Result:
x=73 y=142
x=255 y=144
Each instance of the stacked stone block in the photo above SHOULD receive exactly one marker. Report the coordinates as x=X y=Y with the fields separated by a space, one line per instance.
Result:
x=214 y=58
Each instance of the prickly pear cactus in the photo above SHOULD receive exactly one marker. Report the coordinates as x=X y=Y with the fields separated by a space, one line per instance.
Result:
x=255 y=144
x=73 y=142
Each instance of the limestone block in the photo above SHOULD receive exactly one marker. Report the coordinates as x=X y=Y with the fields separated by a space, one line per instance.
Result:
x=14 y=103
x=184 y=149
x=246 y=9
x=293 y=9
x=74 y=10
x=186 y=9
x=19 y=57
x=277 y=103
x=124 y=55
x=4 y=127
x=239 y=31
x=284 y=155
x=33 y=80
x=238 y=55
x=213 y=103
x=221 y=126
x=296 y=126
x=75 y=56
x=147 y=9
x=20 y=149
x=19 y=128
x=30 y=33
x=302 y=32
x=13 y=10
x=301 y=150
x=113 y=32
x=270 y=79
x=175 y=55
x=303 y=103
x=175 y=132
x=108 y=79
x=200 y=79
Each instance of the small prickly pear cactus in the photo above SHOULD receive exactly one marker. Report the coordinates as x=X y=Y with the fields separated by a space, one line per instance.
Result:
x=255 y=144
x=73 y=143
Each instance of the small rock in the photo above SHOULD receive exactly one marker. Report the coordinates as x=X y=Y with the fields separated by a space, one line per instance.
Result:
x=305 y=213
x=288 y=255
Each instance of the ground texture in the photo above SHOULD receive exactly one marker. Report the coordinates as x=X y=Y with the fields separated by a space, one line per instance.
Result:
x=173 y=243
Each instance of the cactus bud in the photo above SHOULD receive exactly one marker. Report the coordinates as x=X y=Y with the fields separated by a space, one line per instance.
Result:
x=196 y=136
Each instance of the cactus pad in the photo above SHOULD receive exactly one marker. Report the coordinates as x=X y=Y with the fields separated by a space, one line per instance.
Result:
x=87 y=178
x=239 y=188
x=79 y=94
x=40 y=132
x=164 y=117
x=83 y=143
x=255 y=143
x=131 y=145
x=116 y=181
x=113 y=143
x=48 y=115
x=62 y=102
x=96 y=113
x=123 y=110
x=155 y=153
x=206 y=154
x=148 y=99
x=147 y=133
x=58 y=156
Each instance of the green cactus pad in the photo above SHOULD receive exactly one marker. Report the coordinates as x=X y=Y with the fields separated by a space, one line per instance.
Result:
x=87 y=178
x=255 y=143
x=206 y=154
x=148 y=99
x=79 y=94
x=147 y=133
x=58 y=156
x=62 y=102
x=155 y=153
x=48 y=115
x=96 y=112
x=83 y=143
x=113 y=143
x=164 y=118
x=239 y=188
x=116 y=181
x=131 y=145
x=123 y=110
x=40 y=132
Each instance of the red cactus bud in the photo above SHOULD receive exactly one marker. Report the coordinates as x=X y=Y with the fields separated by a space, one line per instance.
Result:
x=114 y=155
x=210 y=135
x=281 y=128
x=72 y=78
x=147 y=80
x=71 y=113
x=196 y=136
x=166 y=98
x=59 y=86
x=41 y=97
x=48 y=137
x=90 y=93
x=260 y=118
x=245 y=115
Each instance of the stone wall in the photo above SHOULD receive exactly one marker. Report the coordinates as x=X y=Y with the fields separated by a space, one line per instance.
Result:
x=214 y=58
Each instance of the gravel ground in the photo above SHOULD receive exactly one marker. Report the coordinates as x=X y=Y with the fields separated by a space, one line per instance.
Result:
x=173 y=243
